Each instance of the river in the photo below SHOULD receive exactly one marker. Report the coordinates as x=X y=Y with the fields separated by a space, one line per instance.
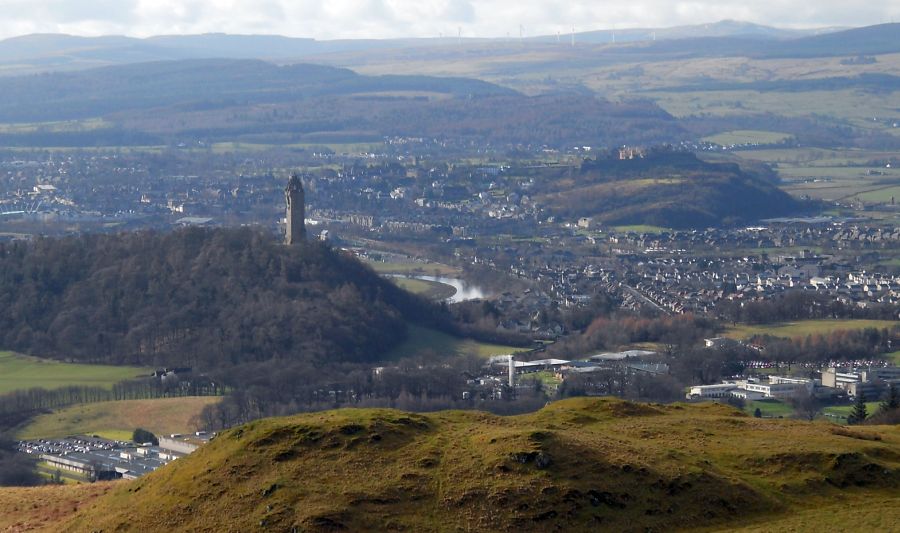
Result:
x=464 y=291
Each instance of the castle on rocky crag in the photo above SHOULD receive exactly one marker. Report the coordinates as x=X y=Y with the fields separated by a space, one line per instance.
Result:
x=294 y=197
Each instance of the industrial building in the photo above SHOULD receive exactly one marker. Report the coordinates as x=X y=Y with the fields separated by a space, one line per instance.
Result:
x=95 y=459
x=871 y=382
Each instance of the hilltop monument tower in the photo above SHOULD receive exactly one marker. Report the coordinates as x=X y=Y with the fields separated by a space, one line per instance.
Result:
x=294 y=197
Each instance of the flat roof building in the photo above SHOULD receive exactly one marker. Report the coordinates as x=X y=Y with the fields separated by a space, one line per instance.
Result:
x=720 y=390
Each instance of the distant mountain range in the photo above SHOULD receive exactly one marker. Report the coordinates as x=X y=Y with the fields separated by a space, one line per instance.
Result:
x=53 y=52
x=251 y=100
x=724 y=28
x=201 y=83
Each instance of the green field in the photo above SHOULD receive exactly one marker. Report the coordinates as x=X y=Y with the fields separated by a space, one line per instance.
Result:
x=426 y=269
x=55 y=126
x=858 y=107
x=838 y=174
x=782 y=409
x=729 y=138
x=640 y=228
x=19 y=372
x=836 y=184
x=423 y=341
x=149 y=149
x=117 y=420
x=841 y=411
x=805 y=327
x=340 y=148
x=881 y=195
x=770 y=408
x=434 y=290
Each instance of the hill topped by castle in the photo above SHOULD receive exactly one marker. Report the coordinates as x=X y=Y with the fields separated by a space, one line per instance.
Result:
x=666 y=188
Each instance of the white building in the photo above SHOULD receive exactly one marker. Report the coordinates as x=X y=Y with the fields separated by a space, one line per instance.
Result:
x=778 y=387
x=778 y=390
x=721 y=390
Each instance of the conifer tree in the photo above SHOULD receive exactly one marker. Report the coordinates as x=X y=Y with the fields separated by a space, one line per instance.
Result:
x=859 y=414
x=892 y=401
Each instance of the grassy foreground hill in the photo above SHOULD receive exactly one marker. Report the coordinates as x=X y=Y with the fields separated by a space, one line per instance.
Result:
x=576 y=465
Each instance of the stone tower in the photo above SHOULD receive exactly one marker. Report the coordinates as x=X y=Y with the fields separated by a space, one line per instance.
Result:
x=294 y=197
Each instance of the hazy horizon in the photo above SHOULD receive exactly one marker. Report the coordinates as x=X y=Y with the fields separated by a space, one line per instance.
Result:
x=387 y=19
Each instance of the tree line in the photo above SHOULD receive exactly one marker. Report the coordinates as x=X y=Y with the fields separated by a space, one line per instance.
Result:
x=424 y=383
x=799 y=305
x=16 y=406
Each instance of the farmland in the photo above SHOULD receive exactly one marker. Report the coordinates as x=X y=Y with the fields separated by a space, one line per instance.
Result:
x=117 y=420
x=641 y=228
x=738 y=137
x=413 y=267
x=839 y=174
x=56 y=126
x=856 y=106
x=20 y=372
x=805 y=327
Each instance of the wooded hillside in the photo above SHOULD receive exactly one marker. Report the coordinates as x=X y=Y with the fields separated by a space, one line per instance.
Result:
x=196 y=297
x=669 y=189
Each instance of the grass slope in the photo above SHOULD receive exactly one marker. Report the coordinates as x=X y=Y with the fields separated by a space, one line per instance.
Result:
x=803 y=328
x=119 y=419
x=576 y=465
x=41 y=508
x=854 y=512
x=424 y=341
x=21 y=372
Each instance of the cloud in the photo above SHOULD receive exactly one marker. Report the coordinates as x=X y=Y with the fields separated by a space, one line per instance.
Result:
x=333 y=19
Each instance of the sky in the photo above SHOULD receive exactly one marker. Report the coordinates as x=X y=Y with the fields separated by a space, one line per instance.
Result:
x=334 y=19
